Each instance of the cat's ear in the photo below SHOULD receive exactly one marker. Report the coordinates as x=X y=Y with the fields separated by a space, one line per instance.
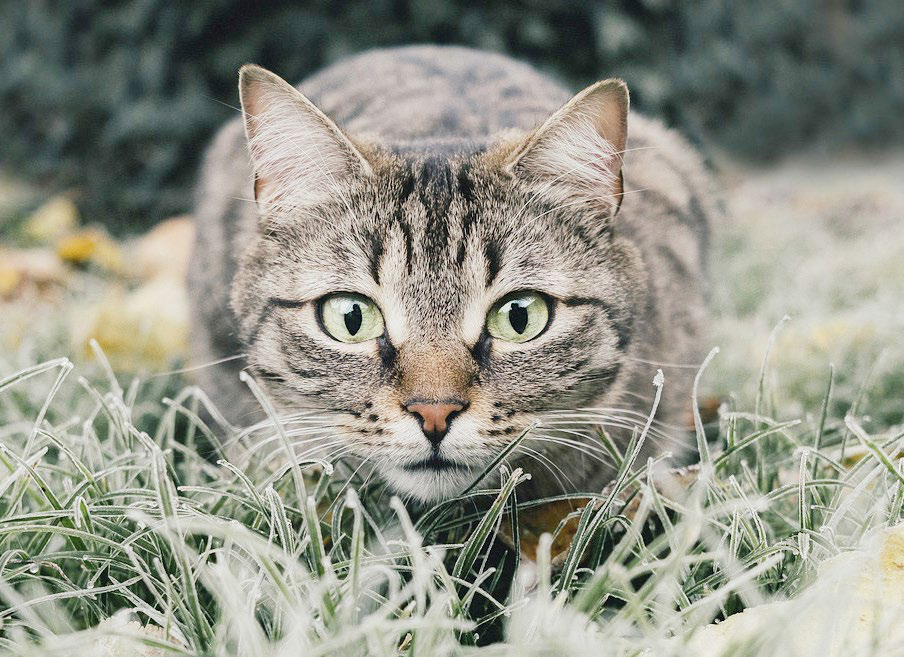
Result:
x=295 y=148
x=576 y=155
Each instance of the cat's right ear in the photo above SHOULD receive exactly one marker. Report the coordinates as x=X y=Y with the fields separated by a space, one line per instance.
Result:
x=298 y=154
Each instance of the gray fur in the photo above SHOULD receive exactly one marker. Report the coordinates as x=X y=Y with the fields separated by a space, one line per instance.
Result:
x=439 y=223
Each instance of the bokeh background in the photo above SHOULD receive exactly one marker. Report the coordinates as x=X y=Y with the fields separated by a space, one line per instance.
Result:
x=106 y=107
x=114 y=101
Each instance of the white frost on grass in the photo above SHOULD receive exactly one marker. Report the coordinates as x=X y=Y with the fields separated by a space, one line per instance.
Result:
x=822 y=242
x=233 y=562
x=852 y=609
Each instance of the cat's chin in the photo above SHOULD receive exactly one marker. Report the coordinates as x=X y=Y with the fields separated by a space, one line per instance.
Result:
x=429 y=481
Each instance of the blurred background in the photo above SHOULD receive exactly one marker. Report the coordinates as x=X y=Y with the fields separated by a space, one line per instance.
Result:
x=106 y=108
x=114 y=101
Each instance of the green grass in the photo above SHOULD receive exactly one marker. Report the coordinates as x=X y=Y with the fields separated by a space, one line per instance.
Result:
x=116 y=498
x=123 y=506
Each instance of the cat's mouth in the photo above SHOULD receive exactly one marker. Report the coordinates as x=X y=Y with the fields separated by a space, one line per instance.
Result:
x=435 y=463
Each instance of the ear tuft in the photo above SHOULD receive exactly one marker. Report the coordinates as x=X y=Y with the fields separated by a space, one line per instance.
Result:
x=576 y=155
x=299 y=155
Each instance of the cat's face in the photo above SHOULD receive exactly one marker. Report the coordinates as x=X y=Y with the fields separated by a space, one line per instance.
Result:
x=433 y=305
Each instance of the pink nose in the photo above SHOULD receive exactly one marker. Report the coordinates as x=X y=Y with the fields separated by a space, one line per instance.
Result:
x=435 y=417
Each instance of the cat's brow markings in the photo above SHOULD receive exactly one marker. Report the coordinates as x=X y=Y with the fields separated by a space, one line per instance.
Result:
x=407 y=189
x=435 y=194
x=492 y=257
x=375 y=255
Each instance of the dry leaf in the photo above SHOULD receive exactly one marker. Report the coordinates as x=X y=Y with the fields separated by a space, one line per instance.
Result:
x=164 y=250
x=21 y=268
x=10 y=279
x=856 y=599
x=561 y=518
x=146 y=328
x=93 y=246
x=53 y=220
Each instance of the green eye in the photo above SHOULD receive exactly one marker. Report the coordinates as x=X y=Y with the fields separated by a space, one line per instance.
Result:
x=518 y=317
x=351 y=318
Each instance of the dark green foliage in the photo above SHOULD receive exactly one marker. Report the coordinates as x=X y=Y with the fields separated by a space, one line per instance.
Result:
x=117 y=99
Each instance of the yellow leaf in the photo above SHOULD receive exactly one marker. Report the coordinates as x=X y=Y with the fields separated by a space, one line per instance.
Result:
x=9 y=280
x=146 y=328
x=91 y=246
x=165 y=249
x=53 y=220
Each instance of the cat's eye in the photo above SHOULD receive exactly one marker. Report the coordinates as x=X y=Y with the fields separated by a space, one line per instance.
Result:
x=351 y=318
x=518 y=317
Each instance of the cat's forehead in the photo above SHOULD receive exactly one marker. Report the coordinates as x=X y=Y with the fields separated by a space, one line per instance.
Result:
x=441 y=229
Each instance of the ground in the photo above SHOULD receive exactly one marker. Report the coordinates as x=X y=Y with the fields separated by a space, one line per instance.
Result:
x=230 y=558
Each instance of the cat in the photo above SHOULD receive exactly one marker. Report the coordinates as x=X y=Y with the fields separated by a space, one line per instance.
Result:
x=434 y=248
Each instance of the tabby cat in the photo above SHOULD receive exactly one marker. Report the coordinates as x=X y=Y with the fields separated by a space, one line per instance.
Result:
x=434 y=248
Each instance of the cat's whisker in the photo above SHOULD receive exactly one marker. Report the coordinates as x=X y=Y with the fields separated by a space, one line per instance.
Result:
x=270 y=424
x=246 y=434
x=340 y=496
x=549 y=465
x=652 y=437
x=614 y=423
x=663 y=364
x=278 y=455
x=275 y=440
x=197 y=368
x=607 y=412
x=579 y=440
x=627 y=415
x=583 y=448
x=313 y=444
x=574 y=430
x=601 y=420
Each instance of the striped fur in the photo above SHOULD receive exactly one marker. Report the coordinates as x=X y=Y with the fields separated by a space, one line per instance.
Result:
x=438 y=196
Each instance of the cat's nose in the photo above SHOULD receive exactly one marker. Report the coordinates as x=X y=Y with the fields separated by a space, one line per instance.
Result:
x=435 y=417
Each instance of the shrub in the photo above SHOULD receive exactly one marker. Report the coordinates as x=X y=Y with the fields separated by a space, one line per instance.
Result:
x=117 y=100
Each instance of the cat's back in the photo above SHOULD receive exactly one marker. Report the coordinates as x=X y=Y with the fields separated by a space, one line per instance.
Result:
x=433 y=93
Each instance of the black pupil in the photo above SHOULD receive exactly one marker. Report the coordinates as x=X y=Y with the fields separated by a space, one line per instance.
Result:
x=353 y=319
x=518 y=316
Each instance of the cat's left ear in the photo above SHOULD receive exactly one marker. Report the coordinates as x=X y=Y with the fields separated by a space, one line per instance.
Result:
x=296 y=150
x=576 y=155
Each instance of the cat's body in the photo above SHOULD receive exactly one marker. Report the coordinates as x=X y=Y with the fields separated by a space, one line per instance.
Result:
x=434 y=235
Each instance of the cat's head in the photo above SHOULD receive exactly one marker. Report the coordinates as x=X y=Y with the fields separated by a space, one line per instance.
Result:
x=434 y=303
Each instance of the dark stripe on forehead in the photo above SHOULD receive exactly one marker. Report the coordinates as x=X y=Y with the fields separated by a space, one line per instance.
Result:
x=465 y=184
x=449 y=147
x=407 y=240
x=407 y=189
x=436 y=185
x=375 y=254
x=491 y=254
x=407 y=183
x=435 y=190
x=466 y=189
